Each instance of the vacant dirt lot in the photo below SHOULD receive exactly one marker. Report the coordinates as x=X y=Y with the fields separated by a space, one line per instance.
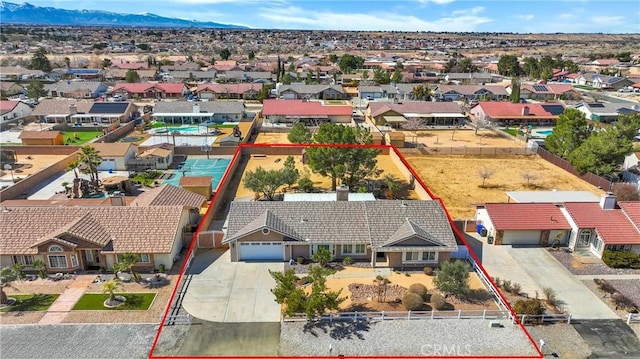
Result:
x=272 y=138
x=456 y=180
x=458 y=138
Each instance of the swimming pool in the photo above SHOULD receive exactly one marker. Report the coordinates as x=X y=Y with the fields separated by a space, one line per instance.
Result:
x=181 y=129
x=542 y=133
x=192 y=167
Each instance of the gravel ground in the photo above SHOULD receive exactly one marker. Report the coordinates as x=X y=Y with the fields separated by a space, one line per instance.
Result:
x=76 y=341
x=630 y=287
x=404 y=338
x=575 y=267
x=561 y=339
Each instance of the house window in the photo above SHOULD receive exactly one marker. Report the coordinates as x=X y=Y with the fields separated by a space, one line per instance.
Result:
x=55 y=248
x=357 y=249
x=28 y=260
x=347 y=249
x=360 y=248
x=598 y=245
x=57 y=261
x=145 y=258
x=420 y=256
x=412 y=256
x=429 y=256
x=619 y=248
x=74 y=260
x=585 y=237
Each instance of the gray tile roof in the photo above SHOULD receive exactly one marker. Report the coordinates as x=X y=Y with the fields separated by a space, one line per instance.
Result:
x=371 y=222
x=73 y=86
x=410 y=229
x=310 y=89
x=234 y=107
x=60 y=106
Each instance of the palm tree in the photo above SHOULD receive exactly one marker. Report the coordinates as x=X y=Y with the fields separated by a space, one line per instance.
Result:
x=392 y=186
x=74 y=166
x=40 y=267
x=90 y=160
x=126 y=262
x=111 y=287
x=8 y=275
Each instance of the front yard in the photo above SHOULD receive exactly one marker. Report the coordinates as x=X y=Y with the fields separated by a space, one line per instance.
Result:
x=30 y=302
x=134 y=301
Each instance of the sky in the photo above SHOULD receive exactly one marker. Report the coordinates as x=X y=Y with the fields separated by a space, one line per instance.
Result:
x=522 y=16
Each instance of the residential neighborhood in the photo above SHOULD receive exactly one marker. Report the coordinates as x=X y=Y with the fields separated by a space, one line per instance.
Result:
x=318 y=193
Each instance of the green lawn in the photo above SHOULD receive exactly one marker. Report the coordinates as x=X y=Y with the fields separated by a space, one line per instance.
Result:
x=135 y=301
x=512 y=131
x=584 y=87
x=83 y=137
x=146 y=178
x=334 y=102
x=31 y=302
x=10 y=143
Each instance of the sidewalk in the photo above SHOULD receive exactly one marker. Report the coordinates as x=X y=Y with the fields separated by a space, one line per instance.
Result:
x=607 y=276
x=65 y=302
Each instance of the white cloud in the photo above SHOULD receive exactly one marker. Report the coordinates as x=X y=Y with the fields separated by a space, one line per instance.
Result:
x=294 y=17
x=439 y=2
x=604 y=19
x=567 y=16
x=527 y=17
x=474 y=11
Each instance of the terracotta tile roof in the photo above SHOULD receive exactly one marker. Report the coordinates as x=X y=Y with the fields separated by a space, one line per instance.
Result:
x=632 y=211
x=611 y=225
x=197 y=181
x=132 y=229
x=169 y=195
x=39 y=135
x=112 y=149
x=6 y=106
x=303 y=108
x=496 y=109
x=174 y=88
x=525 y=216
x=159 y=152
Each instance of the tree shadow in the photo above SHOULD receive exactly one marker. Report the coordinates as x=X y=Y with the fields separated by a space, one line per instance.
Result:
x=339 y=330
x=37 y=302
x=493 y=186
x=133 y=301
x=476 y=296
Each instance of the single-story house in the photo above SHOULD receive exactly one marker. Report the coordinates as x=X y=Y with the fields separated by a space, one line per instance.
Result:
x=155 y=157
x=238 y=91
x=74 y=238
x=163 y=90
x=186 y=112
x=115 y=155
x=378 y=92
x=600 y=111
x=470 y=92
x=126 y=65
x=8 y=89
x=426 y=113
x=79 y=73
x=59 y=110
x=114 y=75
x=247 y=76
x=386 y=233
x=15 y=73
x=308 y=112
x=41 y=138
x=507 y=113
x=477 y=78
x=549 y=92
x=193 y=75
x=76 y=89
x=603 y=81
x=316 y=92
x=13 y=110
x=631 y=173
x=106 y=113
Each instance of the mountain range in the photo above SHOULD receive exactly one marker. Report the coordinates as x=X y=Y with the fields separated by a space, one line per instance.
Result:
x=27 y=14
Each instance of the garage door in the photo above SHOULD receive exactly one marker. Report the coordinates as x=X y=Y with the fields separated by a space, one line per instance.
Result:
x=107 y=164
x=521 y=237
x=255 y=251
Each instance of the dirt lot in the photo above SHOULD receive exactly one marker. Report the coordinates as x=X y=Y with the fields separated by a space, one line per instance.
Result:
x=324 y=183
x=272 y=137
x=456 y=180
x=465 y=137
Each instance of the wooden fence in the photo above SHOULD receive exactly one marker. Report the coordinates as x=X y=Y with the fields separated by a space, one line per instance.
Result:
x=473 y=151
x=565 y=165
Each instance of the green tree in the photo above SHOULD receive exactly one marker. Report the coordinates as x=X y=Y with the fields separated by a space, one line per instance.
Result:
x=265 y=92
x=8 y=275
x=126 y=262
x=287 y=293
x=422 y=92
x=333 y=58
x=453 y=278
x=381 y=76
x=299 y=133
x=132 y=76
x=224 y=54
x=365 y=75
x=351 y=164
x=309 y=79
x=106 y=63
x=515 y=90
x=570 y=131
x=508 y=65
x=601 y=153
x=41 y=268
x=546 y=74
x=531 y=68
x=67 y=62
x=290 y=172
x=39 y=61
x=251 y=55
x=264 y=183
x=397 y=77
x=35 y=89
x=74 y=166
x=110 y=287
x=466 y=65
x=349 y=62
x=322 y=256
x=90 y=159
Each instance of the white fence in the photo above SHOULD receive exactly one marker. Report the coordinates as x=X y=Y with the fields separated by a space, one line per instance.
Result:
x=633 y=318
x=400 y=315
x=544 y=318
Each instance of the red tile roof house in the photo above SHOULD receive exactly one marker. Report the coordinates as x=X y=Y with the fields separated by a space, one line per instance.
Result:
x=75 y=238
x=507 y=113
x=549 y=92
x=429 y=113
x=582 y=226
x=239 y=91
x=163 y=90
x=308 y=112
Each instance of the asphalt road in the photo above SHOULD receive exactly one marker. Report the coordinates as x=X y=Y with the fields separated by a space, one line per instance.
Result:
x=609 y=338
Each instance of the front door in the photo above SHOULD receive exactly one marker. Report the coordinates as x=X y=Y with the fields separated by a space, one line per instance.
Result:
x=584 y=238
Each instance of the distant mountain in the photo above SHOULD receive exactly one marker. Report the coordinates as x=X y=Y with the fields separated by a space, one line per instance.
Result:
x=28 y=14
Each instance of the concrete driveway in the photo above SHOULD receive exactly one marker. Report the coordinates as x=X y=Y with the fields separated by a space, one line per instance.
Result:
x=534 y=268
x=222 y=291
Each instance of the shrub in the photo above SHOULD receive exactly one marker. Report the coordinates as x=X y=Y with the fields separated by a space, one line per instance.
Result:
x=305 y=184
x=506 y=285
x=516 y=288
x=419 y=289
x=162 y=268
x=427 y=270
x=606 y=287
x=305 y=280
x=623 y=302
x=529 y=307
x=438 y=302
x=497 y=281
x=300 y=260
x=621 y=259
x=322 y=256
x=412 y=301
x=347 y=261
x=453 y=278
x=550 y=296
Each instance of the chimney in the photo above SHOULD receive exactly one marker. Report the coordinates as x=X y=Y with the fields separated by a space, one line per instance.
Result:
x=73 y=109
x=525 y=111
x=196 y=108
x=342 y=193
x=608 y=201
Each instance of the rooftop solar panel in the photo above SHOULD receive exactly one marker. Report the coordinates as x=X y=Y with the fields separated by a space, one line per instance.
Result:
x=598 y=105
x=553 y=109
x=540 y=88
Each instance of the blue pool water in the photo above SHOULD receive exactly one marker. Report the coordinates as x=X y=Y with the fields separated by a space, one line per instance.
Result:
x=214 y=167
x=545 y=132
x=181 y=129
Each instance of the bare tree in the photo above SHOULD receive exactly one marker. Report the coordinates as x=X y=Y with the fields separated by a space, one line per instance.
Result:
x=626 y=192
x=413 y=124
x=529 y=176
x=485 y=173
x=482 y=124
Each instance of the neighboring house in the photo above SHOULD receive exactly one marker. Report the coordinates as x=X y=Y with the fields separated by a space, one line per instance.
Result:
x=13 y=110
x=603 y=81
x=14 y=73
x=157 y=157
x=186 y=112
x=164 y=90
x=114 y=155
x=8 y=89
x=115 y=75
x=427 y=113
x=308 y=112
x=239 y=91
x=181 y=66
x=507 y=113
x=385 y=233
x=106 y=113
x=549 y=92
x=75 y=238
x=76 y=89
x=315 y=92
x=631 y=173
x=470 y=92
x=84 y=74
x=59 y=110
x=247 y=76
x=605 y=62
x=600 y=111
x=122 y=65
x=378 y=92
x=41 y=138
x=183 y=76
x=475 y=78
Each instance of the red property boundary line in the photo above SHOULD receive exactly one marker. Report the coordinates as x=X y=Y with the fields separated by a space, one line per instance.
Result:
x=226 y=176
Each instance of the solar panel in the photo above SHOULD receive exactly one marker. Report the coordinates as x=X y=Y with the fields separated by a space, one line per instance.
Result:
x=598 y=105
x=553 y=109
x=540 y=88
x=109 y=107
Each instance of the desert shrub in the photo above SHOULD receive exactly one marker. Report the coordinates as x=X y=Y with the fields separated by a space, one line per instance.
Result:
x=427 y=270
x=506 y=285
x=305 y=280
x=419 y=289
x=550 y=296
x=621 y=259
x=529 y=307
x=300 y=260
x=438 y=302
x=412 y=301
x=347 y=261
x=516 y=288
x=162 y=268
x=624 y=303
x=305 y=184
x=606 y=287
x=497 y=281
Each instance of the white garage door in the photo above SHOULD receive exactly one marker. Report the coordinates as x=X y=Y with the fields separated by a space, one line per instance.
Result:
x=261 y=251
x=107 y=164
x=521 y=237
